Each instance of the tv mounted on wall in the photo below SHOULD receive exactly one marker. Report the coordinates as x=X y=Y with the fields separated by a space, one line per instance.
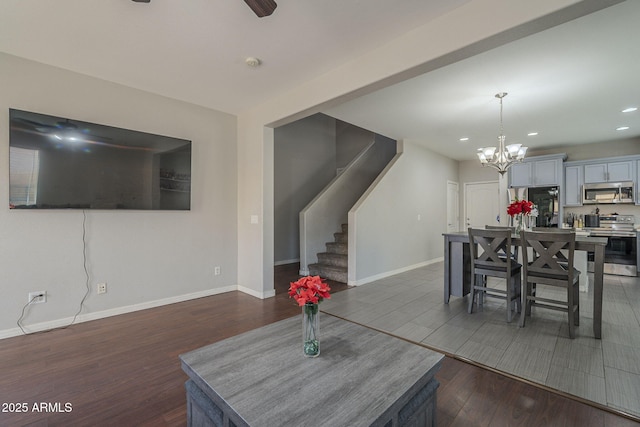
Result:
x=61 y=163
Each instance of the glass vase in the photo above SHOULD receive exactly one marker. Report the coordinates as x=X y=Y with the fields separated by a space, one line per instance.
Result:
x=310 y=330
x=519 y=220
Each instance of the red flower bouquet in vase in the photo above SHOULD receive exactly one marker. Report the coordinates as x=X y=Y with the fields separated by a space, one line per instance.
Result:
x=309 y=291
x=518 y=210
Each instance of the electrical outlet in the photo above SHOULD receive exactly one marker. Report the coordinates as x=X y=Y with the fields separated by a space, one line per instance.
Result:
x=37 y=297
x=102 y=288
x=216 y=271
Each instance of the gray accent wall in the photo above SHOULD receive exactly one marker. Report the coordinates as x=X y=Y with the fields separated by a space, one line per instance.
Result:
x=307 y=155
x=304 y=163
x=350 y=141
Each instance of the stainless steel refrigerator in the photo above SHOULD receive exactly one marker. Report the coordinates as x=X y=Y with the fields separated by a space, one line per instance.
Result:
x=546 y=200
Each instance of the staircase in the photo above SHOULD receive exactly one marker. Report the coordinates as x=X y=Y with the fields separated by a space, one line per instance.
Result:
x=332 y=264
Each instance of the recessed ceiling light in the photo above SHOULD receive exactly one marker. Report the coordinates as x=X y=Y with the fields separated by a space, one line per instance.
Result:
x=629 y=110
x=623 y=128
x=532 y=133
x=464 y=139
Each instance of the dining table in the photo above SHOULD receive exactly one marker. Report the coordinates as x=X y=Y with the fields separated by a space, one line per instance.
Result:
x=458 y=277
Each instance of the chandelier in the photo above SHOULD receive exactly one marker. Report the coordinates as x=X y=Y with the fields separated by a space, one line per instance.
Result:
x=501 y=158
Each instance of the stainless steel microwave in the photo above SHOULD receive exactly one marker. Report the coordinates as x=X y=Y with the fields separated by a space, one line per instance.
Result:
x=608 y=192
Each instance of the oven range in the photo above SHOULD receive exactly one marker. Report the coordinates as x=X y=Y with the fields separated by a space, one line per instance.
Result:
x=620 y=255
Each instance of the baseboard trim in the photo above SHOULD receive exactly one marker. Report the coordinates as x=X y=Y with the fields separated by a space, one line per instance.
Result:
x=393 y=272
x=261 y=295
x=287 y=261
x=58 y=323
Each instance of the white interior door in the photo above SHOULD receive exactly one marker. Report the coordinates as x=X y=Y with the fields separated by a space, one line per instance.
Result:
x=453 y=210
x=481 y=204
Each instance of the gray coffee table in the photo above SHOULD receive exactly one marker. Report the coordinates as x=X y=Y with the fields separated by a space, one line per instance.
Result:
x=362 y=378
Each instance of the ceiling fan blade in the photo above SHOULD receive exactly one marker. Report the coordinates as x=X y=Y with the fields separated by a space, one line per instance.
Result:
x=262 y=8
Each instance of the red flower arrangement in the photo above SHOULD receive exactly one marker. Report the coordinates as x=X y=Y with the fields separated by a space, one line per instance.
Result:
x=520 y=207
x=309 y=290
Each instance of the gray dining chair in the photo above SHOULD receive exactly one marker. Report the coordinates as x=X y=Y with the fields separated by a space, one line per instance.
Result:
x=550 y=263
x=504 y=227
x=495 y=260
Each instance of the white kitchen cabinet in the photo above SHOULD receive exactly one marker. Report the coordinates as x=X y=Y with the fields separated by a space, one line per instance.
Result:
x=573 y=180
x=609 y=172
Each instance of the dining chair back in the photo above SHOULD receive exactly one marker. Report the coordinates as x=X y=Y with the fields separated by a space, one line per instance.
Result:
x=494 y=260
x=500 y=227
x=504 y=227
x=550 y=261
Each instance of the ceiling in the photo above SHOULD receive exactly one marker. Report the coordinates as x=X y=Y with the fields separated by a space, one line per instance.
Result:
x=195 y=50
x=568 y=83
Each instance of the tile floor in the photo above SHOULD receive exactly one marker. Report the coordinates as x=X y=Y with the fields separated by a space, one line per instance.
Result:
x=411 y=305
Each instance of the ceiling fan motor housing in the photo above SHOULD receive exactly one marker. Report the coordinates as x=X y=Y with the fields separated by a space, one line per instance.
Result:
x=262 y=8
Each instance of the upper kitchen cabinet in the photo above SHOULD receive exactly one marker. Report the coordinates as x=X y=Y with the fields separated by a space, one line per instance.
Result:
x=611 y=169
x=573 y=180
x=638 y=183
x=520 y=174
x=540 y=171
x=609 y=172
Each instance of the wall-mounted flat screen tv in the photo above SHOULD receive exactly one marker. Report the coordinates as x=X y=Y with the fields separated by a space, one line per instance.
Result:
x=62 y=163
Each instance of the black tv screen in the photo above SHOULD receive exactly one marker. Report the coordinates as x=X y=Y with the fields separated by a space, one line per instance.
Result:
x=61 y=163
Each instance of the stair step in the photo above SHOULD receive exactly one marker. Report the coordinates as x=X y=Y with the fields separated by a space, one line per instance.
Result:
x=338 y=274
x=341 y=237
x=345 y=228
x=337 y=248
x=327 y=258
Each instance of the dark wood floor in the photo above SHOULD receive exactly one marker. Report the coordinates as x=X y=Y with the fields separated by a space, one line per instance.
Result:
x=124 y=371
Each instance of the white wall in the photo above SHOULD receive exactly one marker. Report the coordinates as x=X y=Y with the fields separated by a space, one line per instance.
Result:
x=399 y=224
x=598 y=150
x=146 y=258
